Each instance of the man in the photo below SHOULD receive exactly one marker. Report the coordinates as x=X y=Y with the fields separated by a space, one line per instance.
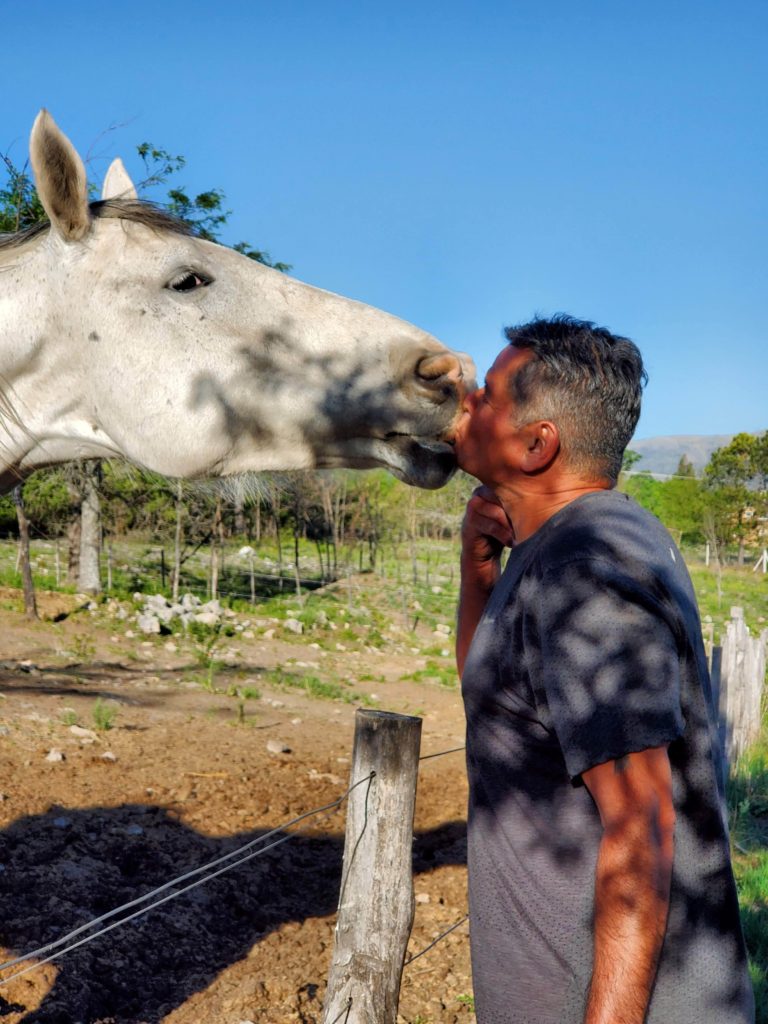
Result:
x=600 y=884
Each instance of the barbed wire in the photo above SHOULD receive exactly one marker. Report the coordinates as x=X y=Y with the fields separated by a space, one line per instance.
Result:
x=242 y=854
x=434 y=942
x=442 y=753
x=63 y=945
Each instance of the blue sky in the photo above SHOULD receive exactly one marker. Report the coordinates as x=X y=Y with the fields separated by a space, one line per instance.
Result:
x=463 y=165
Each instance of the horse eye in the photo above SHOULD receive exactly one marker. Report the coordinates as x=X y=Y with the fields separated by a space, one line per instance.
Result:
x=188 y=281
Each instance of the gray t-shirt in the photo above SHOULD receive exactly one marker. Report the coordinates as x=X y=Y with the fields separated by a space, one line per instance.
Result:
x=589 y=649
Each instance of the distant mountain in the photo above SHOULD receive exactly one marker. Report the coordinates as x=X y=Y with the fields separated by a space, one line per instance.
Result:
x=662 y=454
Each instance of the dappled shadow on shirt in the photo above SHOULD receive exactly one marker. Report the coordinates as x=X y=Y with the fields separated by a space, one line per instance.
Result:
x=590 y=649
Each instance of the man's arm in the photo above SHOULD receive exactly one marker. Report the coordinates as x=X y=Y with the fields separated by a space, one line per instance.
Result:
x=632 y=884
x=485 y=532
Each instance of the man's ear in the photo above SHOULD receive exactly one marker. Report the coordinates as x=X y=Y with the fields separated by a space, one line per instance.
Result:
x=542 y=443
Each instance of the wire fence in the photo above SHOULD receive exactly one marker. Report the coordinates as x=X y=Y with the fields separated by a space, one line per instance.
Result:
x=205 y=873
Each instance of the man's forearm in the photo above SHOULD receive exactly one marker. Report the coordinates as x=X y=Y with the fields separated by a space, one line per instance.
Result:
x=477 y=581
x=632 y=886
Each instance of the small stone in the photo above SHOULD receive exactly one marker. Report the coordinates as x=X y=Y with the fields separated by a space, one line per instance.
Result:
x=422 y=897
x=294 y=625
x=83 y=734
x=109 y=757
x=268 y=634
x=278 y=747
x=134 y=830
x=62 y=822
x=295 y=721
x=54 y=755
x=148 y=623
x=207 y=618
x=130 y=634
x=248 y=634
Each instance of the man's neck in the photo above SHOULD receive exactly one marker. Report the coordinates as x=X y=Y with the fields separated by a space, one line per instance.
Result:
x=529 y=503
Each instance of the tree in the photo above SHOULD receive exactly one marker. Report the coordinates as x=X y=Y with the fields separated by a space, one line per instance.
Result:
x=629 y=459
x=735 y=478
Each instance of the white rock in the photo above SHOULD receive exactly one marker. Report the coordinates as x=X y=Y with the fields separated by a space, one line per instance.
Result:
x=108 y=756
x=422 y=897
x=278 y=747
x=268 y=634
x=148 y=623
x=248 y=634
x=207 y=618
x=294 y=625
x=54 y=755
x=84 y=734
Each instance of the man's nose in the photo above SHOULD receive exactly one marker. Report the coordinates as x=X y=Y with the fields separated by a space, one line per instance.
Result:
x=471 y=400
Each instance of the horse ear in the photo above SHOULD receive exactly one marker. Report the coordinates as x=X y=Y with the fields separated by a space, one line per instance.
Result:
x=60 y=178
x=117 y=182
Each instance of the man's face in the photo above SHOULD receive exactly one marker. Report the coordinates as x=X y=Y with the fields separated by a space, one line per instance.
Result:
x=488 y=444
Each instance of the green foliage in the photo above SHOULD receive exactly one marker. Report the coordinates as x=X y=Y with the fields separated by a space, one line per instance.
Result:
x=748 y=803
x=103 y=715
x=468 y=1001
x=434 y=673
x=629 y=459
x=20 y=206
x=736 y=587
x=313 y=686
x=736 y=480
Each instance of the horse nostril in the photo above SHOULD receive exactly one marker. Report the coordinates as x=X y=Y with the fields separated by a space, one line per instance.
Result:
x=438 y=368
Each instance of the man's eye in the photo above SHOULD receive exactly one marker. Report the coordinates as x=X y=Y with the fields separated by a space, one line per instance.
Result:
x=188 y=282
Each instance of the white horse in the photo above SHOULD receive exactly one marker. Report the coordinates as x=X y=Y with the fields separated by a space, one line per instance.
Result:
x=121 y=334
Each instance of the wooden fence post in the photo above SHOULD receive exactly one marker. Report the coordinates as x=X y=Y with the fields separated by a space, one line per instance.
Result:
x=742 y=674
x=376 y=901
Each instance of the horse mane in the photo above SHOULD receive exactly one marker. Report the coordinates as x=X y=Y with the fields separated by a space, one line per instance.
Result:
x=138 y=211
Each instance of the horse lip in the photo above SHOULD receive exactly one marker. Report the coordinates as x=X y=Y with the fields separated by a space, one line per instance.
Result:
x=423 y=462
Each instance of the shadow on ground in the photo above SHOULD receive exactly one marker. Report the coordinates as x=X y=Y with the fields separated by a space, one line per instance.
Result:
x=65 y=867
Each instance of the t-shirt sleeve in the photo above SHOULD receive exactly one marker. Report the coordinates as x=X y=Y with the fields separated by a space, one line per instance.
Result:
x=608 y=665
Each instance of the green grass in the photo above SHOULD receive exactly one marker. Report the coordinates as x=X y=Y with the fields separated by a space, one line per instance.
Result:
x=103 y=715
x=748 y=803
x=313 y=686
x=740 y=587
x=443 y=675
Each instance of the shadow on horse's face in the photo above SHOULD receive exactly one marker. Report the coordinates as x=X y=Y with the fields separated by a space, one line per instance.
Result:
x=129 y=337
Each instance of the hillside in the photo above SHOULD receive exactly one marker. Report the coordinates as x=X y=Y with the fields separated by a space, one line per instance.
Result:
x=662 y=454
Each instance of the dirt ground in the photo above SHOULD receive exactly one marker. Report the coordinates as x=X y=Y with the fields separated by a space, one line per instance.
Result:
x=90 y=819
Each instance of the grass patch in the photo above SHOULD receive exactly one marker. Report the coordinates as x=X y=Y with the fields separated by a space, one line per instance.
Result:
x=103 y=715
x=433 y=673
x=748 y=803
x=313 y=686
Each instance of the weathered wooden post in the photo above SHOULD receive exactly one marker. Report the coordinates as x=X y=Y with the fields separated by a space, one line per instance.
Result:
x=376 y=902
x=742 y=674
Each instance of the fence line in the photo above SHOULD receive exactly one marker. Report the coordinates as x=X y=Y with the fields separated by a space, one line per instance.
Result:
x=242 y=855
x=147 y=896
x=440 y=937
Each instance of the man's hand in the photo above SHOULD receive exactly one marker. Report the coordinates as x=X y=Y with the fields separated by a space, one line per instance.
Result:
x=632 y=882
x=486 y=529
x=485 y=532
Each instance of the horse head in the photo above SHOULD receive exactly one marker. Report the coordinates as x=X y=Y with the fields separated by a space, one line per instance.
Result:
x=124 y=334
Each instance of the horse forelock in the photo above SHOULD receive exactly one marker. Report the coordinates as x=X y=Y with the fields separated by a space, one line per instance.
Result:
x=137 y=211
